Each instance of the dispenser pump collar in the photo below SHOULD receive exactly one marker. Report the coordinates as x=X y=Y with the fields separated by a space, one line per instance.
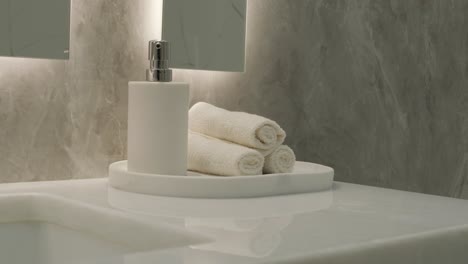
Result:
x=158 y=55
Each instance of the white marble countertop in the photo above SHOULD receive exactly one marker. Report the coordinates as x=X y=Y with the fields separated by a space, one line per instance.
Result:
x=350 y=224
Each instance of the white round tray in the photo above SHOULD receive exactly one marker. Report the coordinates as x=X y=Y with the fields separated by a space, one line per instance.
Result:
x=306 y=177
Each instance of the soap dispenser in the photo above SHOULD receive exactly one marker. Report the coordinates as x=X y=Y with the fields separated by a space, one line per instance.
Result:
x=158 y=118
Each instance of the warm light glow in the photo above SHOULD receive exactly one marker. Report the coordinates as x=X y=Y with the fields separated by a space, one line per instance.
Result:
x=153 y=19
x=10 y=65
x=200 y=80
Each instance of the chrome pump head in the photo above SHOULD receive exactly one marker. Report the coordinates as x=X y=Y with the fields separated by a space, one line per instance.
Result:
x=158 y=55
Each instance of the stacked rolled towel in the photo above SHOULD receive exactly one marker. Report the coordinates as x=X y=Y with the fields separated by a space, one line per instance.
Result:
x=245 y=129
x=213 y=156
x=282 y=160
x=229 y=143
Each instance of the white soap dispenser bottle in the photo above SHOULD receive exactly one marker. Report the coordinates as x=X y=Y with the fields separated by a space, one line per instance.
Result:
x=158 y=118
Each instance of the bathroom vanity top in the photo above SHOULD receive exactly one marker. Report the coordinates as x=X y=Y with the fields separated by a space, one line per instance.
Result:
x=349 y=224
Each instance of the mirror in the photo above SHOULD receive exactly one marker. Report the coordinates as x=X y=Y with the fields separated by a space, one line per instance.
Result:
x=206 y=34
x=35 y=28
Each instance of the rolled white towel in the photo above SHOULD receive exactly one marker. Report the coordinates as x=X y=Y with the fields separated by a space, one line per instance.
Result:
x=282 y=160
x=242 y=128
x=217 y=157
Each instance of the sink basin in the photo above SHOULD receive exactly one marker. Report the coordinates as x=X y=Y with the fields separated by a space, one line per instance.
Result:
x=49 y=243
x=47 y=229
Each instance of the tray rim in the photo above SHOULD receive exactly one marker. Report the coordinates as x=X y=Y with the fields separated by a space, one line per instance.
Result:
x=202 y=176
x=221 y=187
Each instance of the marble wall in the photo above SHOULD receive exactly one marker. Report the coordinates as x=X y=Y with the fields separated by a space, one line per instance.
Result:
x=67 y=119
x=377 y=89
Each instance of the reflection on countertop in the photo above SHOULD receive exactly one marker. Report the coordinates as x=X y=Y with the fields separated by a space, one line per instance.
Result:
x=246 y=227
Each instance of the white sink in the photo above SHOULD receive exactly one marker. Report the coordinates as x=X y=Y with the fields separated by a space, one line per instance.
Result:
x=46 y=229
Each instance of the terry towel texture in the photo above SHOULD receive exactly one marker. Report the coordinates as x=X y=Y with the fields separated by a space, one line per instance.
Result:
x=282 y=160
x=245 y=129
x=217 y=157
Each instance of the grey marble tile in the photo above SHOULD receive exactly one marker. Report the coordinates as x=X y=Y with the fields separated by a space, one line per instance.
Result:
x=376 y=89
x=67 y=119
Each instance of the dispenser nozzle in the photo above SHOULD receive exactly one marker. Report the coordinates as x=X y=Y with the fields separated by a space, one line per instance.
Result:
x=158 y=55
